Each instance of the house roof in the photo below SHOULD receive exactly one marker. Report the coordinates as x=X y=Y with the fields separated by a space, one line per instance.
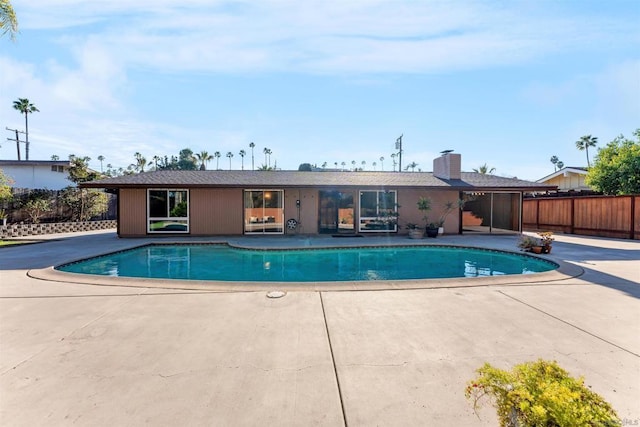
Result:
x=470 y=181
x=34 y=163
x=568 y=169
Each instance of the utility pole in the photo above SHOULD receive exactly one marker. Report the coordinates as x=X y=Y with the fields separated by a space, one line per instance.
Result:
x=399 y=148
x=17 y=140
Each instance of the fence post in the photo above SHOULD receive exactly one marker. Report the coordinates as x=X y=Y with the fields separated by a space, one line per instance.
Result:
x=573 y=217
x=632 y=224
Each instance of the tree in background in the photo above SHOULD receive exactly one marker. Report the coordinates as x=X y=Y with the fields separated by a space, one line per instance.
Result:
x=79 y=170
x=412 y=166
x=554 y=160
x=305 y=167
x=217 y=157
x=186 y=160
x=616 y=169
x=203 y=157
x=242 y=153
x=252 y=145
x=84 y=204
x=8 y=19
x=5 y=186
x=229 y=155
x=25 y=107
x=382 y=163
x=36 y=208
x=484 y=169
x=101 y=159
x=584 y=143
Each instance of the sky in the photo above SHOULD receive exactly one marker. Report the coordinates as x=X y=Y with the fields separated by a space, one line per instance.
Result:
x=504 y=83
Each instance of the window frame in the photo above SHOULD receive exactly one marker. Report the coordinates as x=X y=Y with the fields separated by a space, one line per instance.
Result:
x=364 y=222
x=247 y=224
x=180 y=220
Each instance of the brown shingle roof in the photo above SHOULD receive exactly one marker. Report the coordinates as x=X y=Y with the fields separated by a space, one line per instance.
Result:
x=260 y=179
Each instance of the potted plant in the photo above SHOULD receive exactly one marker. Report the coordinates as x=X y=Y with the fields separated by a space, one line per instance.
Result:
x=424 y=206
x=415 y=232
x=546 y=238
x=529 y=244
x=448 y=208
x=539 y=393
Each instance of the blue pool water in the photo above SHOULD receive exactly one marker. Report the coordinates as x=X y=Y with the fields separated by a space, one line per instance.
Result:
x=220 y=262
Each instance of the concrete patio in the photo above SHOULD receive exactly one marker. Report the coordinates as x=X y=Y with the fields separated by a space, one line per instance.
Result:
x=75 y=353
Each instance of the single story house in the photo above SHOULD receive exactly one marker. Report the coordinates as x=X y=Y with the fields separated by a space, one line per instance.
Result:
x=37 y=174
x=568 y=179
x=207 y=203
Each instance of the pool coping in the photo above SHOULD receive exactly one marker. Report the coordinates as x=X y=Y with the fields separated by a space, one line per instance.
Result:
x=563 y=272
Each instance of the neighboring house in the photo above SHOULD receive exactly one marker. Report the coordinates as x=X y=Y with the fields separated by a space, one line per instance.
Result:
x=37 y=174
x=207 y=203
x=568 y=179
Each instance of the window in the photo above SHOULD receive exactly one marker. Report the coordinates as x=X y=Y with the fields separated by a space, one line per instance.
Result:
x=168 y=211
x=263 y=211
x=378 y=211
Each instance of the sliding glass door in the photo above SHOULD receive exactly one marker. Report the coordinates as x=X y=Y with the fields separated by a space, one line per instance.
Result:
x=264 y=211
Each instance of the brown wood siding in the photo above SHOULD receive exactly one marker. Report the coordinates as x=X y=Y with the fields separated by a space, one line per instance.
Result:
x=606 y=216
x=308 y=218
x=132 y=216
x=214 y=211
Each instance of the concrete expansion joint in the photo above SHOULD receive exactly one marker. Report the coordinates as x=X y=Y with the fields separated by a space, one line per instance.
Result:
x=570 y=324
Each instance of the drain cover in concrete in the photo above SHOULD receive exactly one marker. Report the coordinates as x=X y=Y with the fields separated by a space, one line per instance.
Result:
x=276 y=294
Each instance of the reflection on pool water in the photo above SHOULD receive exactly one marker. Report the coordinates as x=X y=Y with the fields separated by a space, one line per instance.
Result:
x=223 y=263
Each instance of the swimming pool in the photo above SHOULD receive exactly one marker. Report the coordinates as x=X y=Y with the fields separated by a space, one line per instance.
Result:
x=225 y=263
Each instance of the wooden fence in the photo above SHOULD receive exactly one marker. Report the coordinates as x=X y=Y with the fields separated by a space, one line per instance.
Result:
x=605 y=216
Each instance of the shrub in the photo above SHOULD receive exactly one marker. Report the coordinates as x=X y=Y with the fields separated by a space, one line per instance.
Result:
x=540 y=394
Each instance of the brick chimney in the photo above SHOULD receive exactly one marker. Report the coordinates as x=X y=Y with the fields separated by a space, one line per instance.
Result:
x=447 y=166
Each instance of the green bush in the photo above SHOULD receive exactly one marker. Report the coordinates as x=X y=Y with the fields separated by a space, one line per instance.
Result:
x=540 y=394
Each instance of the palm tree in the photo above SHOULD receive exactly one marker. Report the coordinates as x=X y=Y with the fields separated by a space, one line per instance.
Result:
x=364 y=163
x=484 y=169
x=217 y=156
x=265 y=151
x=324 y=165
x=8 y=19
x=155 y=159
x=55 y=157
x=336 y=164
x=554 y=160
x=229 y=155
x=382 y=163
x=101 y=159
x=25 y=107
x=140 y=163
x=242 y=154
x=374 y=164
x=582 y=144
x=560 y=164
x=343 y=165
x=251 y=146
x=203 y=157
x=393 y=157
x=411 y=165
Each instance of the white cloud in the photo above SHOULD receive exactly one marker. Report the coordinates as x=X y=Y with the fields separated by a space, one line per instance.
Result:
x=318 y=36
